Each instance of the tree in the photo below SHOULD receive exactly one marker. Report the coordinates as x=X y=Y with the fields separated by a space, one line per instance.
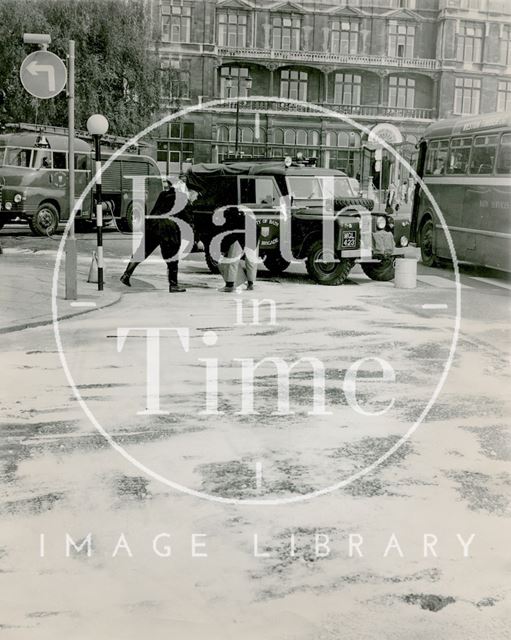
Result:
x=117 y=72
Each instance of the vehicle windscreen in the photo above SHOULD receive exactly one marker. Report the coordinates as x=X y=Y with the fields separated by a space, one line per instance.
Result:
x=16 y=157
x=317 y=187
x=41 y=159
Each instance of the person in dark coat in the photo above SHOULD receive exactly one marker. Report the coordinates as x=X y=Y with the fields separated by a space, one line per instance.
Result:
x=163 y=232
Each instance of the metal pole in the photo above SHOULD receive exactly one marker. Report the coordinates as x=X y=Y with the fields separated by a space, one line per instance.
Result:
x=99 y=211
x=71 y=261
x=237 y=119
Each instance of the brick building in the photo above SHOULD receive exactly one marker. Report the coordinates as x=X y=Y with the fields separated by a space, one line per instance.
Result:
x=399 y=64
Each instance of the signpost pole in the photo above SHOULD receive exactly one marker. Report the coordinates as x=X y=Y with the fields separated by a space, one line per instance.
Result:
x=99 y=210
x=71 y=260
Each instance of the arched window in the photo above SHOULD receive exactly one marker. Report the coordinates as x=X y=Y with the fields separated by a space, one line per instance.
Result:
x=278 y=136
x=354 y=139
x=232 y=134
x=343 y=139
x=289 y=136
x=330 y=139
x=247 y=134
x=313 y=138
x=301 y=137
x=222 y=134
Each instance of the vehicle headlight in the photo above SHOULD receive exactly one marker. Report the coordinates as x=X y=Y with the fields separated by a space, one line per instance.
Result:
x=404 y=241
x=17 y=197
x=8 y=206
x=381 y=222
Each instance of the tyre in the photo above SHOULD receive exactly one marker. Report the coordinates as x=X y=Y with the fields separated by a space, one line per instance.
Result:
x=327 y=273
x=123 y=225
x=428 y=256
x=275 y=263
x=45 y=221
x=211 y=262
x=381 y=271
x=342 y=203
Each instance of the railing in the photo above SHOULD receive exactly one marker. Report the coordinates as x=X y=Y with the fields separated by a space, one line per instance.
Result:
x=368 y=111
x=327 y=57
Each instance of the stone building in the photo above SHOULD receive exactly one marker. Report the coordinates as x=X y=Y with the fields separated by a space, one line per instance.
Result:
x=398 y=64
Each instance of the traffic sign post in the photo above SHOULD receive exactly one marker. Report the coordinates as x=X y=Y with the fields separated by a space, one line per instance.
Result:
x=43 y=74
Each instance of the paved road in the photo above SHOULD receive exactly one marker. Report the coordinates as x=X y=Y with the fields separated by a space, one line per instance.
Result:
x=450 y=479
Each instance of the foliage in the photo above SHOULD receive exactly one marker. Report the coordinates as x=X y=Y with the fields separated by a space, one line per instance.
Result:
x=116 y=71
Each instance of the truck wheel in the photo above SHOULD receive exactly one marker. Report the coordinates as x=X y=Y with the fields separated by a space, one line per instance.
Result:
x=211 y=262
x=275 y=263
x=428 y=256
x=381 y=271
x=123 y=225
x=327 y=273
x=45 y=221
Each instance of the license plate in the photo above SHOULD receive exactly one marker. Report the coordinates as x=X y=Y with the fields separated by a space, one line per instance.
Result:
x=349 y=239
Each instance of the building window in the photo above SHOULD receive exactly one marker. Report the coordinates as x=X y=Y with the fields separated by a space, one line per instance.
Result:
x=293 y=84
x=175 y=80
x=467 y=95
x=178 y=147
x=506 y=45
x=232 y=29
x=401 y=40
x=347 y=88
x=401 y=92
x=286 y=33
x=344 y=37
x=234 y=82
x=176 y=20
x=504 y=95
x=470 y=41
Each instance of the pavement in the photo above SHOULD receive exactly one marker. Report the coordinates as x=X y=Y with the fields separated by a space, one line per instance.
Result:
x=171 y=481
x=26 y=286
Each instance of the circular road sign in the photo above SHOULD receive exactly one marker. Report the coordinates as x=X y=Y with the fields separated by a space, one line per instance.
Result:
x=43 y=74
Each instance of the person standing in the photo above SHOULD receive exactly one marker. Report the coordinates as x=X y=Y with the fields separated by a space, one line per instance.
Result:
x=234 y=245
x=160 y=231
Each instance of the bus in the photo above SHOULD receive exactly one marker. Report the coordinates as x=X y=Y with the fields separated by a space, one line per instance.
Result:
x=34 y=182
x=466 y=164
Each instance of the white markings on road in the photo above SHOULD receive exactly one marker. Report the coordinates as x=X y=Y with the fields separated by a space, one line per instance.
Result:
x=259 y=475
x=83 y=304
x=495 y=283
x=433 y=306
x=440 y=283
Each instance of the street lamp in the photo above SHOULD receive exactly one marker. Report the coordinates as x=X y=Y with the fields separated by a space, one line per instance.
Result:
x=97 y=126
x=247 y=84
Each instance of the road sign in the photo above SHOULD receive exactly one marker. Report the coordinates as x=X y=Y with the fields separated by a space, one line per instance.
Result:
x=43 y=74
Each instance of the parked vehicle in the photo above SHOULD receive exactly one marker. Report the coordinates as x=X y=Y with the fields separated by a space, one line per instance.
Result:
x=309 y=197
x=466 y=164
x=34 y=181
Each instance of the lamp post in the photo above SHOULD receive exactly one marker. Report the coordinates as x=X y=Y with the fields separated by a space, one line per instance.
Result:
x=247 y=84
x=97 y=126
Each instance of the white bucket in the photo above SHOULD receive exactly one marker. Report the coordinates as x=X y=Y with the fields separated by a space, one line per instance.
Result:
x=406 y=273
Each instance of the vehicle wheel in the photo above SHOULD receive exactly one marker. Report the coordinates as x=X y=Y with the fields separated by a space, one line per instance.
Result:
x=343 y=203
x=381 y=271
x=123 y=225
x=327 y=273
x=275 y=263
x=211 y=262
x=45 y=221
x=428 y=256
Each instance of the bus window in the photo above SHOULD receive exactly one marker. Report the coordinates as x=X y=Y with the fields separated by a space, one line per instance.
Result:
x=483 y=154
x=17 y=157
x=41 y=159
x=436 y=158
x=59 y=160
x=504 y=161
x=80 y=162
x=460 y=154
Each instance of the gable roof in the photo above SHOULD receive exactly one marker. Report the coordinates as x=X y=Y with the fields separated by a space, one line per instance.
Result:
x=235 y=4
x=403 y=14
x=349 y=12
x=292 y=7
